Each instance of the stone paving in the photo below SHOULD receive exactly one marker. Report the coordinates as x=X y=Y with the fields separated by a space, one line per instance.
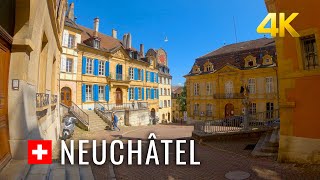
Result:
x=217 y=158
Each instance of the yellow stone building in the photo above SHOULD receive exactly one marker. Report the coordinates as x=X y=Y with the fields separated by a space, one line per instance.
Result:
x=30 y=49
x=217 y=81
x=299 y=82
x=101 y=68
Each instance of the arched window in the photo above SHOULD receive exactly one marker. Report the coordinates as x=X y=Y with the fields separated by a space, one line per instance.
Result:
x=119 y=72
x=228 y=89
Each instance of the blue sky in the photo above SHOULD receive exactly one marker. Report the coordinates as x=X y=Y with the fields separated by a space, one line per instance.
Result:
x=193 y=27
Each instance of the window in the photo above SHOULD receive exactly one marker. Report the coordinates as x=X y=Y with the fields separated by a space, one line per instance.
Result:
x=229 y=89
x=89 y=66
x=169 y=103
x=88 y=93
x=165 y=92
x=167 y=81
x=269 y=113
x=269 y=85
x=160 y=80
x=209 y=109
x=139 y=74
x=169 y=92
x=69 y=65
x=101 y=68
x=149 y=93
x=309 y=52
x=101 y=93
x=163 y=82
x=147 y=76
x=196 y=89
x=253 y=108
x=139 y=93
x=250 y=63
x=96 y=43
x=196 y=109
x=131 y=94
x=170 y=81
x=209 y=89
x=165 y=103
x=155 y=94
x=155 y=78
x=252 y=86
x=71 y=41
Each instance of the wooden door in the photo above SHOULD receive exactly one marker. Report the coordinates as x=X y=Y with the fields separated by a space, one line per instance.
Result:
x=4 y=128
x=66 y=96
x=229 y=110
x=118 y=97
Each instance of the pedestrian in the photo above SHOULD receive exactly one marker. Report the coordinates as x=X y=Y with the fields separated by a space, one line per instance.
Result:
x=115 y=120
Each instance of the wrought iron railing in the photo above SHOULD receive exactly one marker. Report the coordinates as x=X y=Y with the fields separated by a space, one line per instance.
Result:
x=262 y=120
x=79 y=113
x=119 y=77
x=42 y=100
x=54 y=99
x=124 y=106
x=229 y=96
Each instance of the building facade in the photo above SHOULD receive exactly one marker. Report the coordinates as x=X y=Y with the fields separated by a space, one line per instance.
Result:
x=218 y=81
x=30 y=48
x=299 y=82
x=105 y=70
x=164 y=82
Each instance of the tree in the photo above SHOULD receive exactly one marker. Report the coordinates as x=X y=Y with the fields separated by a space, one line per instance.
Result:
x=182 y=99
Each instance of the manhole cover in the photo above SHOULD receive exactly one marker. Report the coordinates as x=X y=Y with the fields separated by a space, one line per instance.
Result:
x=237 y=175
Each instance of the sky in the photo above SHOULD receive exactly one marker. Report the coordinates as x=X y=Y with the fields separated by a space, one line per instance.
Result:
x=193 y=27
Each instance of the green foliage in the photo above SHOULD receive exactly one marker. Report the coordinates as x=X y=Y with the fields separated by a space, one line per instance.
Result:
x=182 y=99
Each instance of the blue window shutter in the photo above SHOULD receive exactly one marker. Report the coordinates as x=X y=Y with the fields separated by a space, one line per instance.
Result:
x=142 y=75
x=142 y=91
x=147 y=74
x=107 y=68
x=135 y=74
x=95 y=66
x=135 y=93
x=106 y=92
x=83 y=93
x=152 y=77
x=84 y=65
x=95 y=92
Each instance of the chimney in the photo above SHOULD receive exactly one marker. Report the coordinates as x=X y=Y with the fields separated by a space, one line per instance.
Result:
x=124 y=41
x=142 y=50
x=114 y=33
x=70 y=14
x=129 y=41
x=96 y=27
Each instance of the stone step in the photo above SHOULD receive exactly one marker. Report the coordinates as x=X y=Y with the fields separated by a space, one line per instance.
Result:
x=72 y=172
x=39 y=172
x=86 y=172
x=57 y=172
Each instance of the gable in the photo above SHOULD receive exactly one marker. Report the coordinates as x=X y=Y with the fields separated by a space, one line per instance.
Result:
x=228 y=68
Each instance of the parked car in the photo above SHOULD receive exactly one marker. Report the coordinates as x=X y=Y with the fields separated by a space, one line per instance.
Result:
x=68 y=129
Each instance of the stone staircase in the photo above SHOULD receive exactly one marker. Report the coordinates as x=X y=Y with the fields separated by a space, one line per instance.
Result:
x=20 y=170
x=268 y=145
x=95 y=122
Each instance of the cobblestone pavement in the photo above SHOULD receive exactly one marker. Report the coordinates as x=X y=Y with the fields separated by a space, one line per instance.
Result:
x=217 y=158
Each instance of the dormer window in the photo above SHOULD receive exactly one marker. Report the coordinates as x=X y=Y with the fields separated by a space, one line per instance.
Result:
x=250 y=61
x=267 y=60
x=196 y=69
x=208 y=66
x=96 y=43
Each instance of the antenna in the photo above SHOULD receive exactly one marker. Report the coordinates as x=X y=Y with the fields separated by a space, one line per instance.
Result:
x=235 y=29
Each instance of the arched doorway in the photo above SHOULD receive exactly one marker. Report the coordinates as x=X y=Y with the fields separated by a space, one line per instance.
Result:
x=229 y=110
x=119 y=99
x=153 y=113
x=66 y=96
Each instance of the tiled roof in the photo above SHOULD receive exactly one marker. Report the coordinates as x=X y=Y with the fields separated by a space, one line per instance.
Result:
x=242 y=46
x=70 y=23
x=107 y=42
x=234 y=55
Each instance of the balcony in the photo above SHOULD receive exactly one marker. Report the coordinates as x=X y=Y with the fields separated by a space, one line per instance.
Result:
x=229 y=96
x=119 y=77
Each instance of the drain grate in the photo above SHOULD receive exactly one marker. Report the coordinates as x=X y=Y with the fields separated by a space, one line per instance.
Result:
x=250 y=147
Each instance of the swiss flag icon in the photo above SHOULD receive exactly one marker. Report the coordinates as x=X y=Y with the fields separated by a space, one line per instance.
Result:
x=39 y=152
